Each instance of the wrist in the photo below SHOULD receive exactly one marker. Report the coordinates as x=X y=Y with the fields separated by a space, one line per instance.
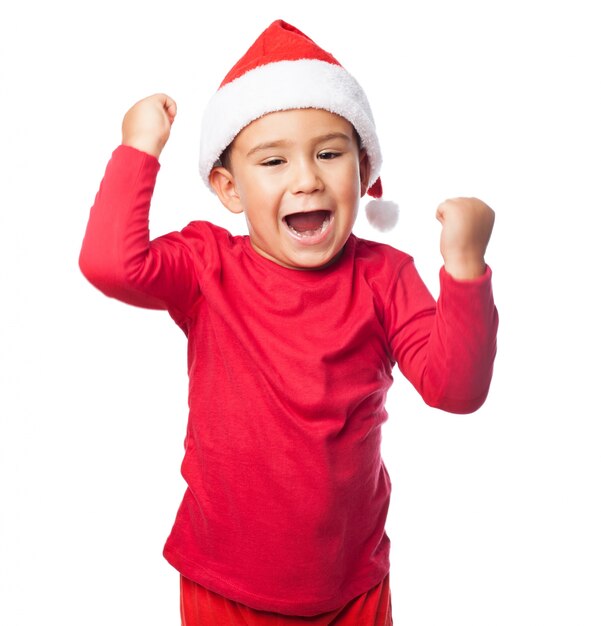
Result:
x=465 y=268
x=144 y=144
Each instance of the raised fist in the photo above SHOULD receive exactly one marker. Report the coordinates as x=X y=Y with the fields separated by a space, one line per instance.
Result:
x=147 y=125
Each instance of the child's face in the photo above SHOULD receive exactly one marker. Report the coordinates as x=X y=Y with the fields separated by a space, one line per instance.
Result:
x=298 y=176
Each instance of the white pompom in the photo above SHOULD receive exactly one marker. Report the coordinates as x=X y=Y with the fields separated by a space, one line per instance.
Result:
x=382 y=214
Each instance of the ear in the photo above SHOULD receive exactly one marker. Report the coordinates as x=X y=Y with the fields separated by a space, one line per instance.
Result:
x=224 y=185
x=364 y=171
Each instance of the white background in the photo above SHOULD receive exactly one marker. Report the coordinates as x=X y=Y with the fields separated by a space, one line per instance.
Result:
x=496 y=516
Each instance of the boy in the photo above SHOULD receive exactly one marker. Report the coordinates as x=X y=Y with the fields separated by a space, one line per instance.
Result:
x=293 y=332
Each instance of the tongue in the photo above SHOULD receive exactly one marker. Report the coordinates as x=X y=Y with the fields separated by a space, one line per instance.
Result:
x=303 y=222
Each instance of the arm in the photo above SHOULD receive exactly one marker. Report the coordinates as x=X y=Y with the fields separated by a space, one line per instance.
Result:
x=458 y=368
x=447 y=350
x=117 y=255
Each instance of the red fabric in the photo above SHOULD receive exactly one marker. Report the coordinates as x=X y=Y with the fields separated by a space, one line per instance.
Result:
x=201 y=607
x=279 y=42
x=376 y=191
x=287 y=493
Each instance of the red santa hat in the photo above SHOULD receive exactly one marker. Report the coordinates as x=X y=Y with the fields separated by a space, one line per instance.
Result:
x=284 y=70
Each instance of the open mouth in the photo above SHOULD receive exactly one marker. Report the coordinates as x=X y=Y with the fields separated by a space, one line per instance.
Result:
x=308 y=224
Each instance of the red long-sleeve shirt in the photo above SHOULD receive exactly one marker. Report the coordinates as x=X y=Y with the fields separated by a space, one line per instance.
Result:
x=287 y=492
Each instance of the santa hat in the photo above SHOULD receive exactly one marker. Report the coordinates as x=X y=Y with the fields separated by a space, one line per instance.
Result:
x=284 y=70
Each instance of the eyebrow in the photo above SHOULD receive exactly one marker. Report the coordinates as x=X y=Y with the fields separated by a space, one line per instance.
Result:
x=284 y=142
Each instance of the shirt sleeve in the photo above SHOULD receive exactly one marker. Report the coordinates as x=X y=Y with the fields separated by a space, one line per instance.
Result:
x=117 y=255
x=446 y=349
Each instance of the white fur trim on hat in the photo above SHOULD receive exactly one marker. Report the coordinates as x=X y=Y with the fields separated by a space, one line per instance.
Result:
x=282 y=86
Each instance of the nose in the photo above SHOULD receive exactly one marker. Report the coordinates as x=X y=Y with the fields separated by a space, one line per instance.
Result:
x=306 y=177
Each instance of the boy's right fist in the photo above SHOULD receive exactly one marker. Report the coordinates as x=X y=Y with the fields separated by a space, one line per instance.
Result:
x=146 y=126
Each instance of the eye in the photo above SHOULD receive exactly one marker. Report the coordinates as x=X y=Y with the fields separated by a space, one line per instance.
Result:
x=327 y=155
x=272 y=162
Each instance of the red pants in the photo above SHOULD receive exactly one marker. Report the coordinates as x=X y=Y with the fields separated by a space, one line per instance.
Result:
x=201 y=607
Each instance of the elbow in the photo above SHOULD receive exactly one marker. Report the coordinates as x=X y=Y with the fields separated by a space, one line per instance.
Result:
x=92 y=270
x=461 y=389
x=100 y=273
x=112 y=280
x=86 y=266
x=461 y=407
x=457 y=405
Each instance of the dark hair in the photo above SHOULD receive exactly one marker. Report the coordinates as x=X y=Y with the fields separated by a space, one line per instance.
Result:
x=224 y=159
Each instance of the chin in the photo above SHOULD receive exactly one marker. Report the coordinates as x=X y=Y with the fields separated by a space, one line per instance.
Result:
x=314 y=261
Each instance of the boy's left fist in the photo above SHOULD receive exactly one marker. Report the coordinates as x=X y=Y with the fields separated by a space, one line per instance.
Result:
x=466 y=228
